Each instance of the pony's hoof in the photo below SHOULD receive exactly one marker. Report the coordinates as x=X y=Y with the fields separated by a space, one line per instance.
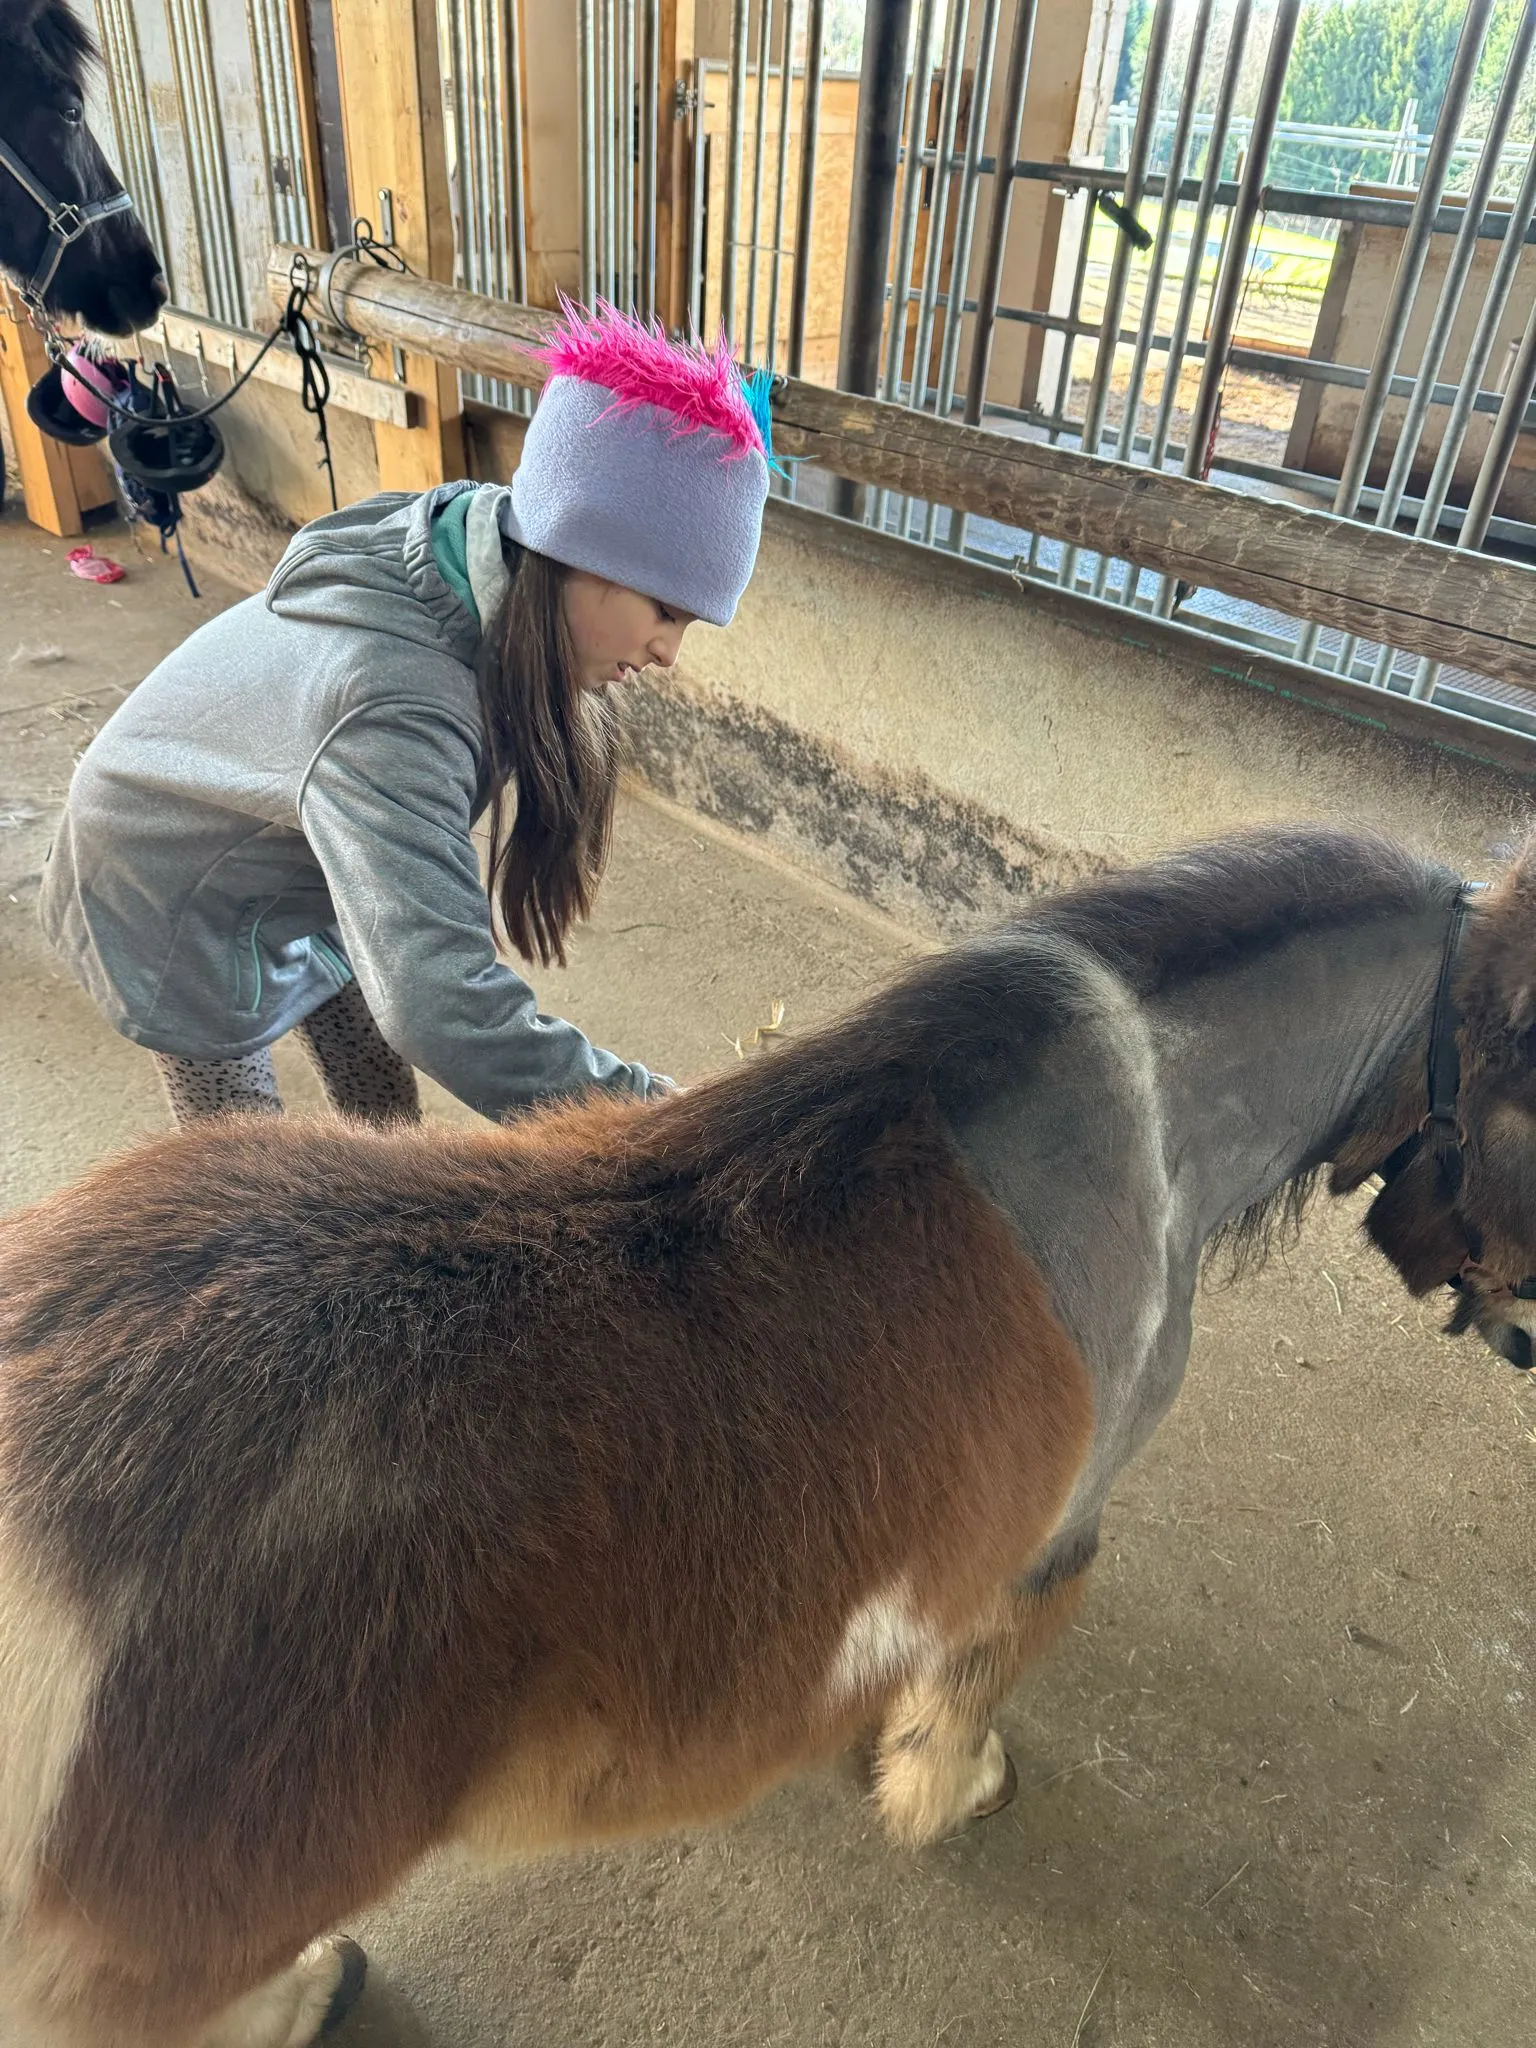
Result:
x=1003 y=1796
x=349 y=1987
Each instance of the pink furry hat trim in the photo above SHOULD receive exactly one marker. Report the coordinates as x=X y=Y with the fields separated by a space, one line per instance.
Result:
x=698 y=385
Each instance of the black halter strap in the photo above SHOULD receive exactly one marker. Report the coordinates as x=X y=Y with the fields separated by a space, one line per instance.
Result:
x=67 y=220
x=1442 y=1123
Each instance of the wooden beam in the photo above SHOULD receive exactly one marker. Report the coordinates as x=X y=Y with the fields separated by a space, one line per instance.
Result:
x=1469 y=609
x=392 y=104
x=59 y=484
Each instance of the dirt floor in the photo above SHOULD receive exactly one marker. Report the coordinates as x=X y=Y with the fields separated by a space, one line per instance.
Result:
x=1276 y=1789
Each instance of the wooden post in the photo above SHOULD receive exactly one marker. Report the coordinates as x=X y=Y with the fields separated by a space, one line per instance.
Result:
x=392 y=109
x=59 y=484
x=674 y=165
x=1471 y=609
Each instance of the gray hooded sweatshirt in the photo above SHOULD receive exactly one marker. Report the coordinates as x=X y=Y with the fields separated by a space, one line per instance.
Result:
x=286 y=801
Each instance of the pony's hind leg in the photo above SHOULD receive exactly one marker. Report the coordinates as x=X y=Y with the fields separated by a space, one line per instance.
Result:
x=939 y=1762
x=299 y=2007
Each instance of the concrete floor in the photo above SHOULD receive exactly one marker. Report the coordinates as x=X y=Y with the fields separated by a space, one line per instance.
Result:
x=1276 y=1789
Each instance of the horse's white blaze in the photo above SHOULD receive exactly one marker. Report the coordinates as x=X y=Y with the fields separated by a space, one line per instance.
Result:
x=883 y=1643
x=47 y=1674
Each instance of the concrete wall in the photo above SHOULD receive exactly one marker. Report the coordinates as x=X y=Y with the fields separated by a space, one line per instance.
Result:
x=942 y=742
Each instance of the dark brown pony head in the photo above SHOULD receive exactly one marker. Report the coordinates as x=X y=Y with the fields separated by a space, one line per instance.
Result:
x=1462 y=1212
x=109 y=277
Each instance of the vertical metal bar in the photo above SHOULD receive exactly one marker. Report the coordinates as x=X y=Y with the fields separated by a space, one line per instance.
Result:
x=698 y=253
x=1405 y=285
x=1229 y=282
x=627 y=154
x=919 y=91
x=1495 y=468
x=517 y=154
x=1139 y=155
x=759 y=166
x=1205 y=206
x=605 y=148
x=938 y=212
x=1090 y=202
x=1120 y=264
x=1480 y=349
x=650 y=144
x=965 y=234
x=1449 y=306
x=876 y=158
x=1157 y=269
x=586 y=104
x=805 y=207
x=1009 y=139
x=780 y=199
x=740 y=12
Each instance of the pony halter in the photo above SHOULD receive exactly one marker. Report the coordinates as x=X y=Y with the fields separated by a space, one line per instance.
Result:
x=67 y=220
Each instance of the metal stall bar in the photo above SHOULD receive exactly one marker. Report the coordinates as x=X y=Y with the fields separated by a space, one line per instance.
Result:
x=698 y=251
x=938 y=213
x=805 y=209
x=586 y=109
x=1205 y=206
x=1469 y=394
x=919 y=93
x=1490 y=478
x=965 y=227
x=876 y=159
x=207 y=159
x=1135 y=180
x=277 y=91
x=517 y=153
x=760 y=165
x=1454 y=283
x=128 y=95
x=781 y=191
x=650 y=144
x=1157 y=270
x=1229 y=282
x=627 y=155
x=1410 y=268
x=1137 y=159
x=607 y=242
x=740 y=13
x=1071 y=324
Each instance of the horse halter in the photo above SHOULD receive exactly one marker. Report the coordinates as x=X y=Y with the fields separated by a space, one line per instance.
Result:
x=67 y=220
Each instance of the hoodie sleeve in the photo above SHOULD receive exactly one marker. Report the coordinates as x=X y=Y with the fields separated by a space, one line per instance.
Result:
x=386 y=807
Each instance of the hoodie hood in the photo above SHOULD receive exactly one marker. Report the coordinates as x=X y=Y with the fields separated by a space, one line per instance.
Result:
x=370 y=567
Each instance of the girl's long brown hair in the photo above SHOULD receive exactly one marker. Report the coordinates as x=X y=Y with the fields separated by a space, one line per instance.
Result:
x=556 y=745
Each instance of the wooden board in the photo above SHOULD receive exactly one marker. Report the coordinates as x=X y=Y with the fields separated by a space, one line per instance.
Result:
x=59 y=484
x=391 y=91
x=1469 y=609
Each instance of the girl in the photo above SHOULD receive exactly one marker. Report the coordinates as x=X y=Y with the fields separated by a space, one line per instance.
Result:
x=273 y=832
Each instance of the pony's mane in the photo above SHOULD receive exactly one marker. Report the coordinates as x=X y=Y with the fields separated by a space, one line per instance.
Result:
x=698 y=385
x=61 y=36
x=964 y=1022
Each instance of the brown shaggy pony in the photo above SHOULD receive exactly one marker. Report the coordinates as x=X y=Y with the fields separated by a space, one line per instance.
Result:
x=365 y=1491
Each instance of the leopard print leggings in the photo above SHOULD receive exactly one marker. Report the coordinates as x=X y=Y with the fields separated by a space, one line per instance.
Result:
x=360 y=1073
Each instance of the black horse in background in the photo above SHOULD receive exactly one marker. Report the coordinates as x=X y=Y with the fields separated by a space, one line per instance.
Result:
x=68 y=232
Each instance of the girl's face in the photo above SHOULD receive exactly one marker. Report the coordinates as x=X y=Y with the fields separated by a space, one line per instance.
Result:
x=616 y=632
